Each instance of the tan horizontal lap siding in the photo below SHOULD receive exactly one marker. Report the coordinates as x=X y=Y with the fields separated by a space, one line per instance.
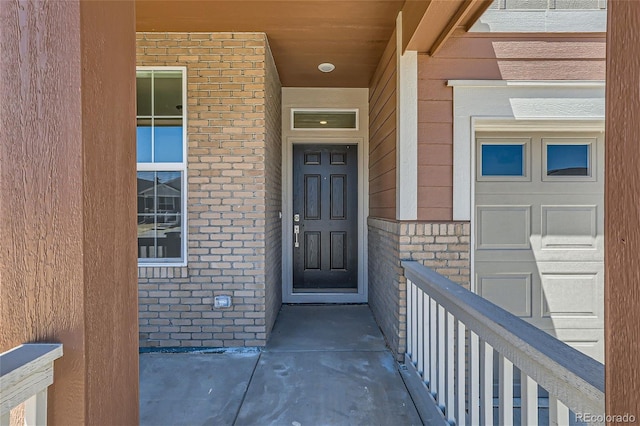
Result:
x=485 y=56
x=382 y=136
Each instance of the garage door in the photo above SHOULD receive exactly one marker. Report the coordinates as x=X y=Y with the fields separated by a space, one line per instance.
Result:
x=538 y=231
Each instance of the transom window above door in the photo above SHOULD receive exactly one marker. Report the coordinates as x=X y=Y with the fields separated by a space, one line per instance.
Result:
x=161 y=159
x=324 y=119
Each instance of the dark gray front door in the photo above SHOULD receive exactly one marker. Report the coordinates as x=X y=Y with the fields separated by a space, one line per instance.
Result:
x=325 y=207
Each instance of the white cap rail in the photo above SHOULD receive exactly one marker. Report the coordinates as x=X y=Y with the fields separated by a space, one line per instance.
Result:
x=25 y=373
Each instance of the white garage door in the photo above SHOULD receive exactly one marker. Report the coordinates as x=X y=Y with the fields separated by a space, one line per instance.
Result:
x=538 y=242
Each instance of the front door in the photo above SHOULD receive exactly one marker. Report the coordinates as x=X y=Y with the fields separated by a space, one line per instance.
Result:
x=325 y=222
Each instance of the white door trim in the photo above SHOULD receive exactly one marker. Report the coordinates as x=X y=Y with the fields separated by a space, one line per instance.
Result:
x=288 y=296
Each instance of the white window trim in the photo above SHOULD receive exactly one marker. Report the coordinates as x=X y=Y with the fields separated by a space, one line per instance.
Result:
x=500 y=105
x=407 y=129
x=143 y=263
x=326 y=129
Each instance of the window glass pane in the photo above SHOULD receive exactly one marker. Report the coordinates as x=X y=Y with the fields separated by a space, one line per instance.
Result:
x=502 y=160
x=167 y=141
x=143 y=141
x=143 y=91
x=167 y=93
x=160 y=215
x=324 y=120
x=567 y=160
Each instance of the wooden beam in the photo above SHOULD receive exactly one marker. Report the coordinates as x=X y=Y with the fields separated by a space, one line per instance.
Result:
x=427 y=25
x=454 y=23
x=622 y=211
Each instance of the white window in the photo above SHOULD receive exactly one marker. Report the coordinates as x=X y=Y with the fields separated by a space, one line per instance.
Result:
x=162 y=165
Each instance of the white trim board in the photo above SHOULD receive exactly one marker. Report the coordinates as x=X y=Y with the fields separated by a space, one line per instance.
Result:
x=515 y=105
x=542 y=21
x=288 y=296
x=407 y=129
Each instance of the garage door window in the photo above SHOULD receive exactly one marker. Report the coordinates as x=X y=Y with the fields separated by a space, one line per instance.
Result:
x=503 y=160
x=567 y=160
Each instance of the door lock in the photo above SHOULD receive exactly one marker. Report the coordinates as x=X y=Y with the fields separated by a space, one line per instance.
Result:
x=296 y=232
x=296 y=218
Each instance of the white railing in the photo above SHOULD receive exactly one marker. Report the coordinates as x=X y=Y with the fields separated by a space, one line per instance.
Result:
x=452 y=337
x=25 y=373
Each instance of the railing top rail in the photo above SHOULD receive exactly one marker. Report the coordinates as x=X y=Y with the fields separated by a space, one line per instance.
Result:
x=26 y=370
x=25 y=354
x=570 y=375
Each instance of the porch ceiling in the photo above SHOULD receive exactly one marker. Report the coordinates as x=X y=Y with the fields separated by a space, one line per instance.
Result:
x=351 y=34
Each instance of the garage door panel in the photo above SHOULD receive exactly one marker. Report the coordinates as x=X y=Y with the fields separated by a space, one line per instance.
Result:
x=510 y=291
x=570 y=295
x=569 y=227
x=503 y=227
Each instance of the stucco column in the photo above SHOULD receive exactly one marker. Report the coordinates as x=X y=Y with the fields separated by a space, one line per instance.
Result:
x=67 y=200
x=622 y=215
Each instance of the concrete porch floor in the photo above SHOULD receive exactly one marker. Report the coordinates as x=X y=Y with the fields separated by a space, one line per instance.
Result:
x=322 y=365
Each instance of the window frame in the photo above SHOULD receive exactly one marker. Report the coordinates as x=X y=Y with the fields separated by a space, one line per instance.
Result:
x=526 y=160
x=591 y=157
x=327 y=110
x=170 y=167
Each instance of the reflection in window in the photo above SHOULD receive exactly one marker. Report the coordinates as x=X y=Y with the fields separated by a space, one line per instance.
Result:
x=503 y=160
x=568 y=160
x=159 y=214
x=161 y=166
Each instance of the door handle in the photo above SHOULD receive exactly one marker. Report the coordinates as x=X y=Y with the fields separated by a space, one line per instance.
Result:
x=296 y=232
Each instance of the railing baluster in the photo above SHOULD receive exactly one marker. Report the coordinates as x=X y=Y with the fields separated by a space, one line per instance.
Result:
x=529 y=400
x=461 y=373
x=474 y=379
x=410 y=310
x=450 y=402
x=414 y=319
x=425 y=340
x=35 y=409
x=442 y=353
x=486 y=383
x=558 y=413
x=506 y=391
x=433 y=345
x=421 y=330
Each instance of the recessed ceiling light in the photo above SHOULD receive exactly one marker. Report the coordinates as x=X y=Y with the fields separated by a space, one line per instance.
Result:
x=326 y=67
x=323 y=122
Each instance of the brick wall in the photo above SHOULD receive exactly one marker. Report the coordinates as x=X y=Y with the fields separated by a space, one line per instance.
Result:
x=443 y=247
x=384 y=278
x=233 y=180
x=273 y=168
